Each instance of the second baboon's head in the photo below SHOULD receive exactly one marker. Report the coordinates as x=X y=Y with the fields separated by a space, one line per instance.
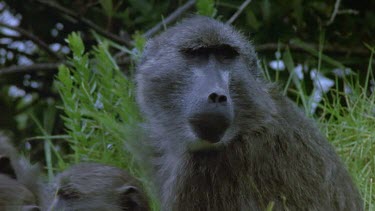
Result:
x=93 y=186
x=199 y=86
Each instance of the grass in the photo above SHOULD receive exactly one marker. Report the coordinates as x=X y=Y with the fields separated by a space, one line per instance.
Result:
x=346 y=119
x=100 y=112
x=351 y=130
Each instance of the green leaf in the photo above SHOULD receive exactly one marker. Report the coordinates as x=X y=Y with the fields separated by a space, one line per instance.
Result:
x=252 y=20
x=139 y=43
x=107 y=6
x=63 y=76
x=76 y=44
x=289 y=63
x=266 y=9
x=206 y=7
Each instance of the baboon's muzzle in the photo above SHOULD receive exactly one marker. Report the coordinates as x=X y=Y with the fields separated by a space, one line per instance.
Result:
x=210 y=127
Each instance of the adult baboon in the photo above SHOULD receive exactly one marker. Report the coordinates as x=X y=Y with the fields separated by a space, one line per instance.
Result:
x=19 y=186
x=224 y=138
x=93 y=186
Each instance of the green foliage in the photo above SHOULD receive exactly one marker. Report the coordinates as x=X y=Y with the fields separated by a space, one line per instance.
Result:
x=206 y=7
x=346 y=119
x=139 y=43
x=107 y=6
x=270 y=206
x=92 y=90
x=351 y=130
x=100 y=110
x=289 y=63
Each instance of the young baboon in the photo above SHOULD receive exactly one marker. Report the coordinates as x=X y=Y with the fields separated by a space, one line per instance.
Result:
x=19 y=186
x=93 y=186
x=224 y=138
x=14 y=196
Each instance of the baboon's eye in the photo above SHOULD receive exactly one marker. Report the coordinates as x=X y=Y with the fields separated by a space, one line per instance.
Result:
x=225 y=52
x=221 y=52
x=67 y=193
x=201 y=53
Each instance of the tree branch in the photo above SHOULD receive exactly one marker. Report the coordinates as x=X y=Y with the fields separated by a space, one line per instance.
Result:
x=238 y=12
x=33 y=38
x=29 y=68
x=15 y=51
x=334 y=13
x=171 y=18
x=13 y=37
x=87 y=22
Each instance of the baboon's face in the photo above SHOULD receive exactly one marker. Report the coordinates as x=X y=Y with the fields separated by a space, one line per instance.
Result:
x=198 y=89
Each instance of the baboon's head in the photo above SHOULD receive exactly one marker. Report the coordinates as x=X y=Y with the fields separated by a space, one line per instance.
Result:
x=91 y=186
x=199 y=86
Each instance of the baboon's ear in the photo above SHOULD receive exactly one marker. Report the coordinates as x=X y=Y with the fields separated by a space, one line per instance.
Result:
x=127 y=189
x=67 y=193
x=6 y=167
x=129 y=196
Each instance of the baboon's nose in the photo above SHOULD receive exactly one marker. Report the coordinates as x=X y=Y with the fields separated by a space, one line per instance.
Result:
x=216 y=97
x=210 y=126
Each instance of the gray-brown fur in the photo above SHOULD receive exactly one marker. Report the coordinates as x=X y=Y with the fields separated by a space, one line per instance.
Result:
x=19 y=180
x=95 y=187
x=14 y=196
x=270 y=153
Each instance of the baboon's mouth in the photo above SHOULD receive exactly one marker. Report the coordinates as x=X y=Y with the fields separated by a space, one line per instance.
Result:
x=203 y=145
x=209 y=127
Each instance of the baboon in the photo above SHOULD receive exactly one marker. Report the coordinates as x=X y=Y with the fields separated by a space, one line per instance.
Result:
x=93 y=186
x=14 y=196
x=18 y=180
x=225 y=139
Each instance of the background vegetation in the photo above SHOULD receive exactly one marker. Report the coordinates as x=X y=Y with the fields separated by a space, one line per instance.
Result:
x=68 y=97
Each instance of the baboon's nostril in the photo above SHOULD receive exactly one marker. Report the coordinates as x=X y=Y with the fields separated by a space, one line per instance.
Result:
x=222 y=99
x=212 y=97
